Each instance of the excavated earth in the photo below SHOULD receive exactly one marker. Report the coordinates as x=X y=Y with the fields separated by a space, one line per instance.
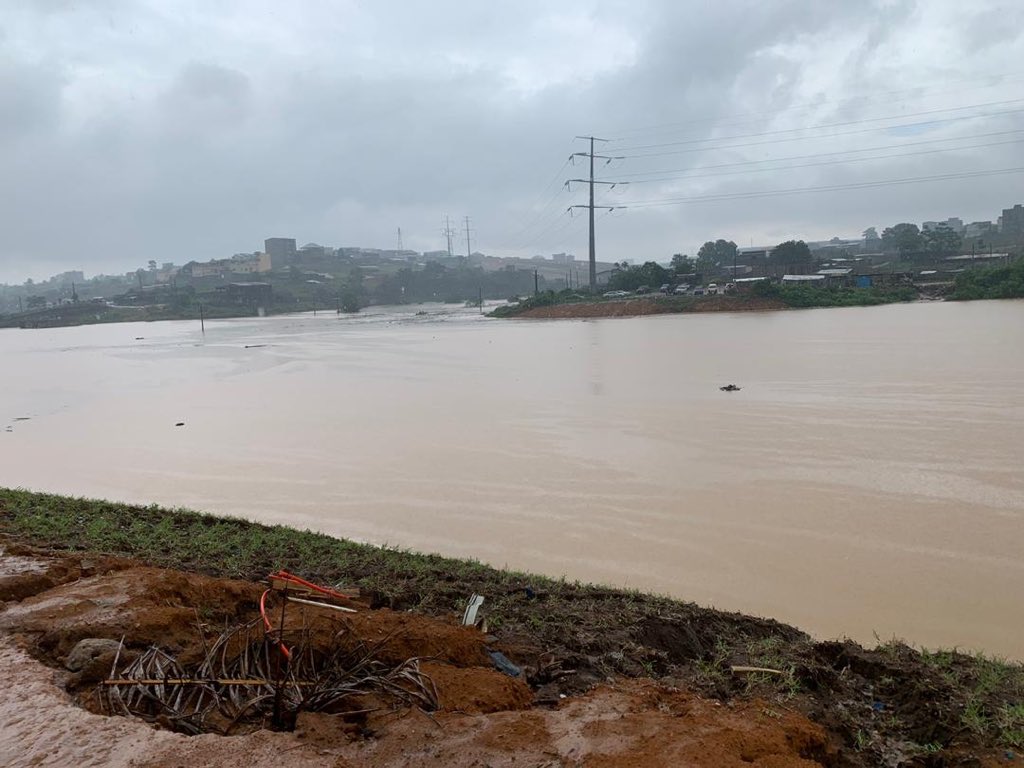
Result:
x=652 y=305
x=49 y=716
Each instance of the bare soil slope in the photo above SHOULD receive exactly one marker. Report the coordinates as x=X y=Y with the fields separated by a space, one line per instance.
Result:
x=50 y=717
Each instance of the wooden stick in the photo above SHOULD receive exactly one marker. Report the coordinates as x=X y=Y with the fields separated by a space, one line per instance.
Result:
x=740 y=669
x=320 y=605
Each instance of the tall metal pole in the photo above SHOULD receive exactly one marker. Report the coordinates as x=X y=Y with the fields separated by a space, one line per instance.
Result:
x=593 y=250
x=590 y=206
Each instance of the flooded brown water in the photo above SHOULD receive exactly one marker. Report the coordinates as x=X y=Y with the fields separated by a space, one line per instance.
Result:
x=865 y=481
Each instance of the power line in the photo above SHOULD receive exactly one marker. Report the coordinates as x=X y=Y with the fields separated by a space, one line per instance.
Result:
x=824 y=154
x=1003 y=79
x=832 y=125
x=825 y=136
x=544 y=208
x=824 y=162
x=829 y=188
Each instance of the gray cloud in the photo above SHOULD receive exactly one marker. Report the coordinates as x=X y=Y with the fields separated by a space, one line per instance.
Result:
x=129 y=132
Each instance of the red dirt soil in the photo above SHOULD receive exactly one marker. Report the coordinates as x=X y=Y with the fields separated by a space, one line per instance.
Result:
x=486 y=717
x=652 y=306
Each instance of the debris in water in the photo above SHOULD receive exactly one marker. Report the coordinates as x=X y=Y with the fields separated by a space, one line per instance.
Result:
x=254 y=346
x=730 y=388
x=180 y=424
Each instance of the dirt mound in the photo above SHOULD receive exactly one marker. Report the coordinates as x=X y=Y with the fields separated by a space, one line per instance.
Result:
x=613 y=726
x=146 y=606
x=25 y=571
x=484 y=716
x=653 y=306
x=404 y=636
x=477 y=690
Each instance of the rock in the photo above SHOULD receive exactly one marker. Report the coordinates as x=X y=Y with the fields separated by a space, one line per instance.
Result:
x=88 y=649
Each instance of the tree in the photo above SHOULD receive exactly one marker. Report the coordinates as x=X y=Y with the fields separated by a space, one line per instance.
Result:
x=628 y=278
x=718 y=252
x=152 y=265
x=792 y=252
x=681 y=264
x=942 y=241
x=871 y=236
x=903 y=238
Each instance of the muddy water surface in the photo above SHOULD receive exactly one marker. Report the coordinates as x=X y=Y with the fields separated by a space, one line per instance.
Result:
x=866 y=479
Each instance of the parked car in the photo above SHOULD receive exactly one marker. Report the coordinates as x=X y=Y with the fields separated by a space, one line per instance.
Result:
x=615 y=294
x=666 y=288
x=712 y=289
x=698 y=291
x=644 y=289
x=681 y=290
x=730 y=288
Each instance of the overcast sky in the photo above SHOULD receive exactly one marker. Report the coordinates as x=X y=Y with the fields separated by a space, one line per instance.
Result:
x=189 y=129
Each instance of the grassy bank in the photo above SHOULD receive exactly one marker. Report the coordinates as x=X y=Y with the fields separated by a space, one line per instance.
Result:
x=805 y=297
x=763 y=295
x=1003 y=282
x=889 y=702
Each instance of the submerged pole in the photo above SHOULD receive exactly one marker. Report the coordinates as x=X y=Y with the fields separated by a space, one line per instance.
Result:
x=202 y=320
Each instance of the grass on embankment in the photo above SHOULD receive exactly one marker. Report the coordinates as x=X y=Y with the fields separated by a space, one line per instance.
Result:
x=571 y=634
x=785 y=296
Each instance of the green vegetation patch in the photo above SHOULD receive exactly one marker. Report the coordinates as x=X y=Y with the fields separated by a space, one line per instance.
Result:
x=1004 y=282
x=805 y=296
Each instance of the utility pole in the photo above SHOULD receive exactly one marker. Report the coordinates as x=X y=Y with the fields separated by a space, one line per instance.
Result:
x=448 y=232
x=536 y=289
x=468 y=254
x=591 y=182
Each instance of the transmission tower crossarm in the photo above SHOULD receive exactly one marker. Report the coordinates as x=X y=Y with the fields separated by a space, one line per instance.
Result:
x=591 y=181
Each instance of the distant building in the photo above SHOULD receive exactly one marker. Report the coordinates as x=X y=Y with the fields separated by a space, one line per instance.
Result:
x=313 y=251
x=281 y=251
x=737 y=270
x=980 y=229
x=755 y=252
x=563 y=258
x=1013 y=221
x=249 y=263
x=954 y=223
x=803 y=279
x=206 y=269
x=73 y=276
x=248 y=293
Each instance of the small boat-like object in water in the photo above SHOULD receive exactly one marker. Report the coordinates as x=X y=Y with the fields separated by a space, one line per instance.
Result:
x=730 y=388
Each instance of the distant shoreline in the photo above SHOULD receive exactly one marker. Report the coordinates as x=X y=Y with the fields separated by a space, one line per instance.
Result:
x=652 y=305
